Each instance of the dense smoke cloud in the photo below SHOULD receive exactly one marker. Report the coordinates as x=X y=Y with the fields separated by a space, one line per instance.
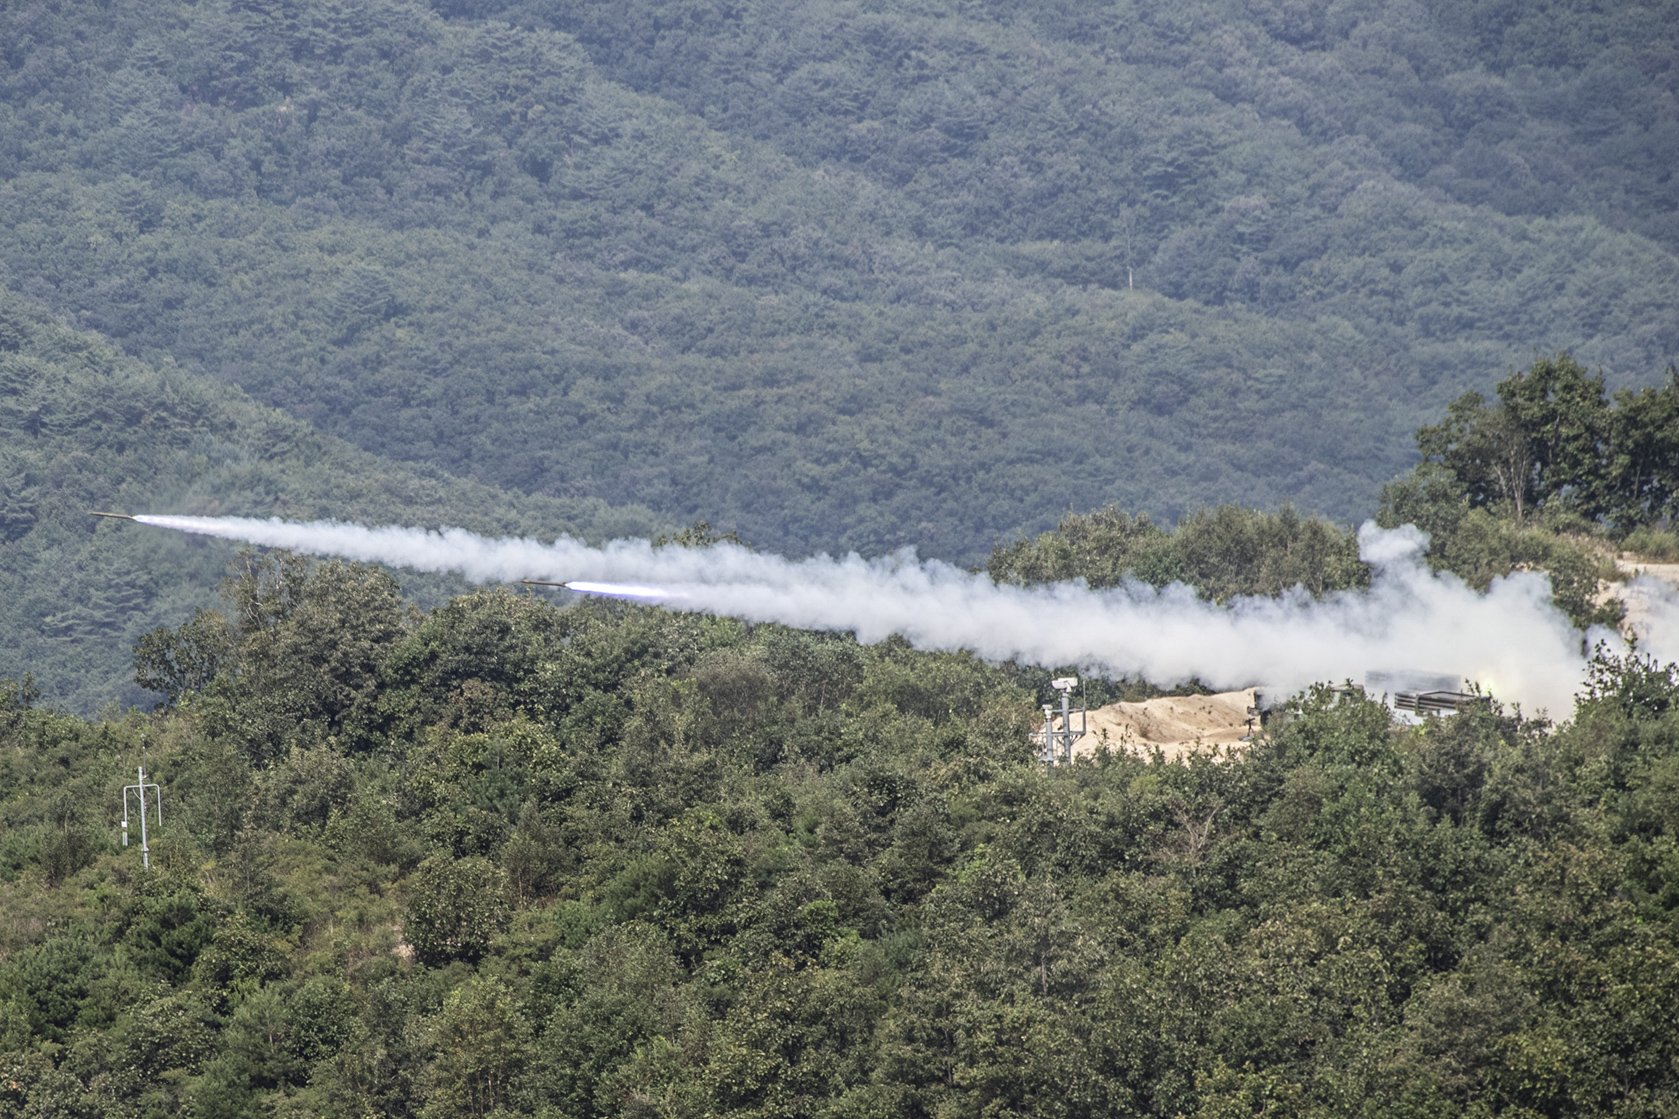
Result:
x=1510 y=640
x=1653 y=617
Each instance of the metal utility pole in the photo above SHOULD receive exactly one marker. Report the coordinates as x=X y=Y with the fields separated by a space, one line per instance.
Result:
x=139 y=790
x=1058 y=744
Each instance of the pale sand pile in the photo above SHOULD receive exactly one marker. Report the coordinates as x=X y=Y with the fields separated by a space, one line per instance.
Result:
x=1175 y=723
x=1178 y=724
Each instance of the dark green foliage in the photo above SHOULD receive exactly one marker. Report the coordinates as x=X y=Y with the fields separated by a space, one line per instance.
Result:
x=1641 y=479
x=468 y=788
x=1229 y=551
x=1485 y=452
x=456 y=906
x=271 y=1042
x=1221 y=552
x=48 y=985
x=830 y=275
x=1637 y=686
x=169 y=924
x=87 y=604
x=178 y=662
x=477 y=660
x=481 y=1039
x=311 y=642
x=1543 y=478
x=833 y=275
x=1430 y=497
x=1103 y=548
x=1555 y=442
x=1563 y=416
x=795 y=875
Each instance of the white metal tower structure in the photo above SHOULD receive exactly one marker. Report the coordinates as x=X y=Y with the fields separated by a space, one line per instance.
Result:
x=1057 y=742
x=139 y=790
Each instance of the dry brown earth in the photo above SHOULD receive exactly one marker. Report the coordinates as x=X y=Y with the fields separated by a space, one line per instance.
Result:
x=1175 y=724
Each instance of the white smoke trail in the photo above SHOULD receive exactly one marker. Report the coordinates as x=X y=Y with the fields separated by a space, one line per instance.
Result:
x=1511 y=640
x=619 y=590
x=1653 y=616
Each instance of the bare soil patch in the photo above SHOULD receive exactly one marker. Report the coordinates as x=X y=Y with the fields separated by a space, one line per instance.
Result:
x=1174 y=724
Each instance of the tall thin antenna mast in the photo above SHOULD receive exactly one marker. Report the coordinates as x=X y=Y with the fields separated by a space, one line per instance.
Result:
x=1058 y=743
x=139 y=790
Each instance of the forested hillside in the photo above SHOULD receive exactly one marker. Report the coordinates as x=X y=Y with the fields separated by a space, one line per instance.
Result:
x=831 y=274
x=503 y=859
x=839 y=276
x=1552 y=473
x=90 y=428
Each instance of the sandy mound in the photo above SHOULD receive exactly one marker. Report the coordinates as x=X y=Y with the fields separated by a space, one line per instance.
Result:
x=1174 y=723
x=1667 y=572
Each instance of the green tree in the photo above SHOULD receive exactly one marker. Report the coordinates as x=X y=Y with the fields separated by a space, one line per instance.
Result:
x=475 y=660
x=179 y=662
x=1229 y=551
x=170 y=921
x=1103 y=548
x=1642 y=480
x=1546 y=443
x=1485 y=450
x=456 y=908
x=311 y=641
x=618 y=995
x=1563 y=415
x=1430 y=497
x=49 y=984
x=480 y=1041
x=1222 y=552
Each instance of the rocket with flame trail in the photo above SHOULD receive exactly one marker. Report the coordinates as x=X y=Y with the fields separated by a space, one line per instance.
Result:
x=605 y=590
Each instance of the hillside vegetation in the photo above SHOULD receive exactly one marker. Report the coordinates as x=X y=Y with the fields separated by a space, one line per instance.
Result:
x=91 y=428
x=503 y=859
x=102 y=429
x=838 y=276
x=1553 y=474
x=830 y=274
x=499 y=858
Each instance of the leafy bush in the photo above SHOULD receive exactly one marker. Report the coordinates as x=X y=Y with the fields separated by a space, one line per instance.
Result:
x=1654 y=544
x=456 y=908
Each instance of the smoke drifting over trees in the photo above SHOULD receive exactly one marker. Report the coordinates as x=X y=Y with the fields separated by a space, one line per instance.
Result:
x=1510 y=639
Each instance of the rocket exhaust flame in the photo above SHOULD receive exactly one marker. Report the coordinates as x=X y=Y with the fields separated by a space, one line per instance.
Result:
x=621 y=590
x=606 y=590
x=1408 y=617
